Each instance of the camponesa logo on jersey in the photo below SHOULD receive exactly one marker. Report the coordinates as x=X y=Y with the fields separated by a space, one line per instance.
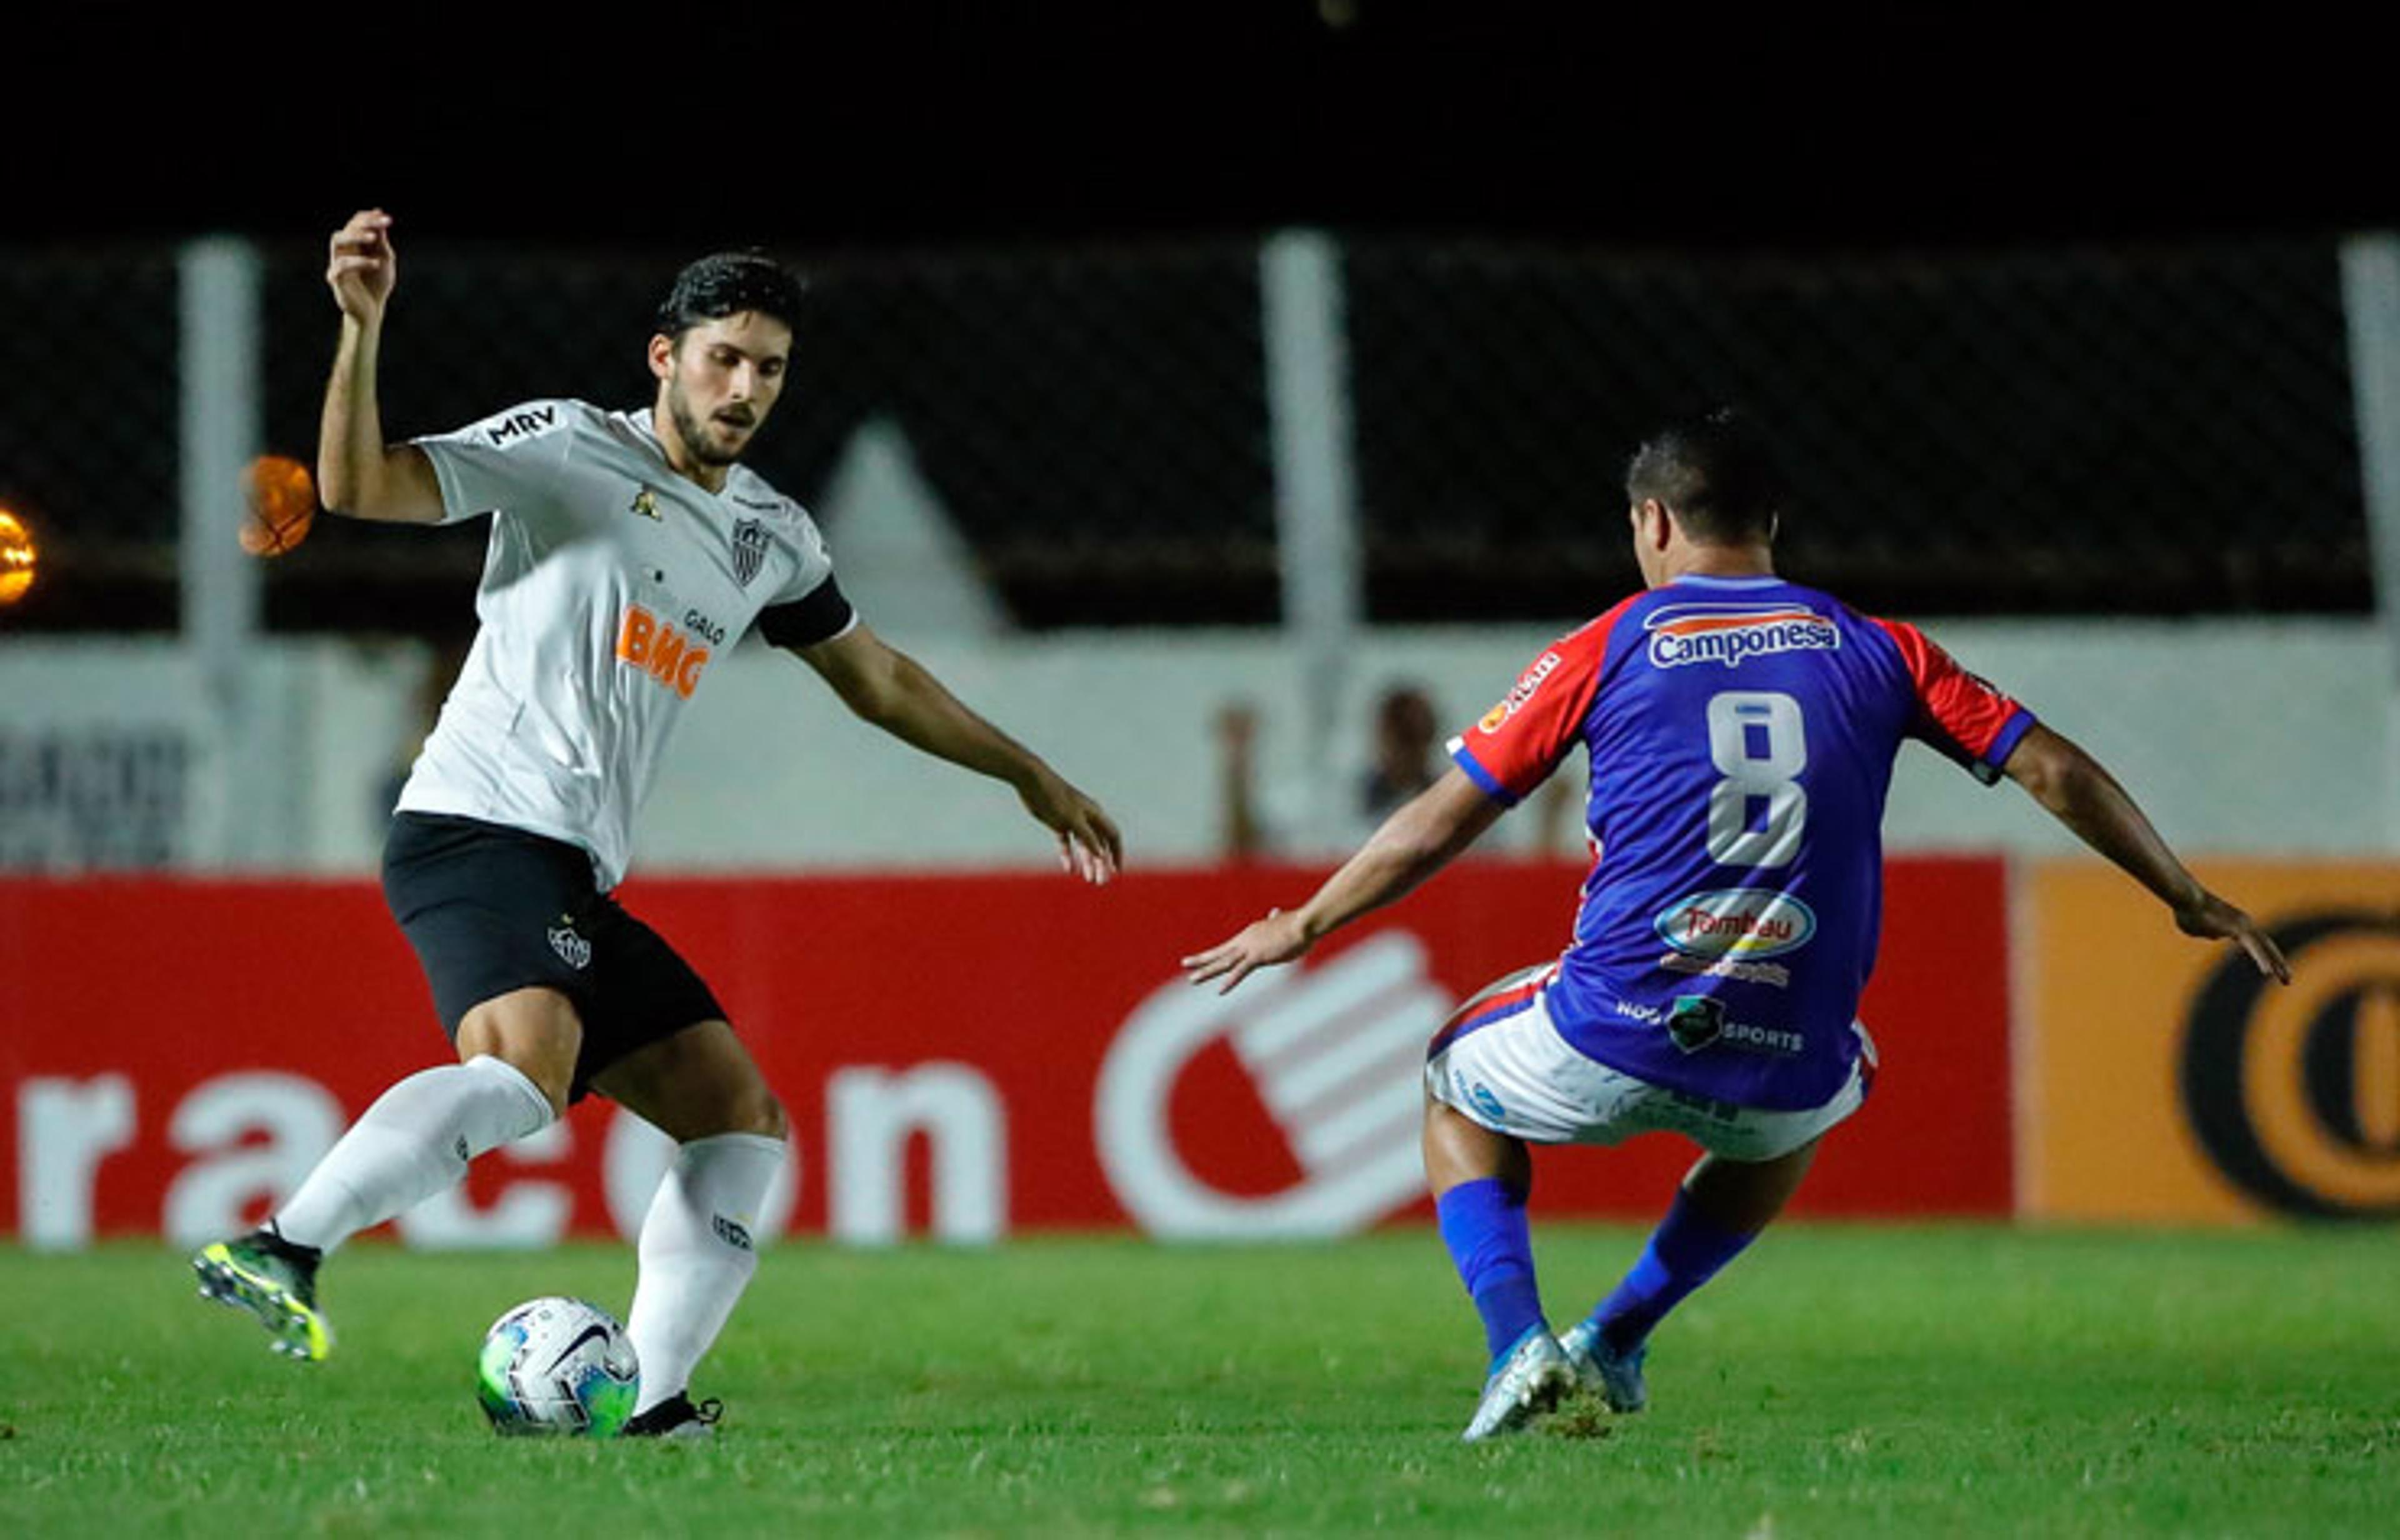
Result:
x=1520 y=693
x=660 y=651
x=1731 y=633
x=1737 y=922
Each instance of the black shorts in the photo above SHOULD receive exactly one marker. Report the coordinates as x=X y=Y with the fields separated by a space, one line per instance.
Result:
x=490 y=910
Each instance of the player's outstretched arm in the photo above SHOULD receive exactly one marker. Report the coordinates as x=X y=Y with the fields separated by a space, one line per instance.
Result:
x=893 y=690
x=356 y=473
x=2080 y=793
x=1417 y=840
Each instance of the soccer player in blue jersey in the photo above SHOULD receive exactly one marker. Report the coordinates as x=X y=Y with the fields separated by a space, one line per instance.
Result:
x=1741 y=731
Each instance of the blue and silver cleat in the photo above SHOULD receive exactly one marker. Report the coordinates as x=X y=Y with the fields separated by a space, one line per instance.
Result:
x=1533 y=1378
x=1615 y=1377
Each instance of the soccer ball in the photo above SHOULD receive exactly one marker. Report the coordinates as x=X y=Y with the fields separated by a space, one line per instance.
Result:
x=560 y=1367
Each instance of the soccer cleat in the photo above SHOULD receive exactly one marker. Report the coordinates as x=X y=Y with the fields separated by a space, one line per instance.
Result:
x=1615 y=1377
x=274 y=1280
x=677 y=1417
x=1533 y=1378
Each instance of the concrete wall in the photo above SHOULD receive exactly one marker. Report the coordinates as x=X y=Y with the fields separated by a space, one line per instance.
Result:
x=2254 y=737
x=2250 y=738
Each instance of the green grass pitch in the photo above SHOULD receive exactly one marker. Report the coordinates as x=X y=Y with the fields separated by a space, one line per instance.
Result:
x=1840 y=1380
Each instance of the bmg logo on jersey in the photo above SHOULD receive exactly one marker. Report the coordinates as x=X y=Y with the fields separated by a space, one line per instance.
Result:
x=1732 y=634
x=660 y=651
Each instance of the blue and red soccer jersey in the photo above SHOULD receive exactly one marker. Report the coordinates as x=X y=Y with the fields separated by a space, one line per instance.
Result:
x=1741 y=733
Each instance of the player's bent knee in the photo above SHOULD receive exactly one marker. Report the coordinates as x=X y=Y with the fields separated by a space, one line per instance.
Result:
x=534 y=1032
x=554 y=1082
x=759 y=1112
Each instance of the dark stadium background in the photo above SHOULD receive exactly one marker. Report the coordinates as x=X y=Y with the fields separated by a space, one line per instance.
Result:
x=1647 y=120
x=878 y=142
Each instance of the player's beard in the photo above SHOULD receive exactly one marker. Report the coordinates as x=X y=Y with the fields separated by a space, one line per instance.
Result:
x=697 y=440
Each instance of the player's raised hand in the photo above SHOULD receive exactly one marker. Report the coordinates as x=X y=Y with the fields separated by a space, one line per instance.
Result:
x=361 y=266
x=1089 y=845
x=2212 y=919
x=1280 y=937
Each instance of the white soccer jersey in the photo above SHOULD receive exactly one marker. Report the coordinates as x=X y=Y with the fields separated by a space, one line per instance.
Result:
x=610 y=585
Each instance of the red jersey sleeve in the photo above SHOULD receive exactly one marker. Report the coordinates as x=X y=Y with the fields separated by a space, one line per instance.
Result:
x=1962 y=715
x=1514 y=746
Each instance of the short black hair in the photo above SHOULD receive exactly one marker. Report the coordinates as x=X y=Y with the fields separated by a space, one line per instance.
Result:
x=1715 y=472
x=725 y=284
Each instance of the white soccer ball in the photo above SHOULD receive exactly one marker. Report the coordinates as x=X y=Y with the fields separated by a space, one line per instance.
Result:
x=557 y=1366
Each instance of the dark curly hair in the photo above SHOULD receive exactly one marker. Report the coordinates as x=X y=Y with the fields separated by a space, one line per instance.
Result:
x=727 y=284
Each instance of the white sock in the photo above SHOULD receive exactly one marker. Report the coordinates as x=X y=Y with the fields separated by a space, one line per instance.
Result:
x=697 y=1254
x=413 y=1142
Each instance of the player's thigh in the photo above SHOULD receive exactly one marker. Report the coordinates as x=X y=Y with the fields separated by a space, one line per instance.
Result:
x=1501 y=1064
x=1763 y=1149
x=1458 y=1150
x=1513 y=1072
x=495 y=916
x=694 y=1083
x=645 y=998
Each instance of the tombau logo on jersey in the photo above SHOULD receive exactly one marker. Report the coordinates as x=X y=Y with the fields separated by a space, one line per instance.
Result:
x=1732 y=634
x=1737 y=922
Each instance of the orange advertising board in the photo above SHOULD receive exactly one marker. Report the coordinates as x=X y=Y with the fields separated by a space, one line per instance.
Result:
x=2162 y=1079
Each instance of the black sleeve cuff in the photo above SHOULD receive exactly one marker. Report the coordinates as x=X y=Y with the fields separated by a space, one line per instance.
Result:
x=818 y=615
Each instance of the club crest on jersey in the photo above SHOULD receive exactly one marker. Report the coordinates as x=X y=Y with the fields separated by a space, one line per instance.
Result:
x=1743 y=923
x=750 y=545
x=1733 y=634
x=645 y=503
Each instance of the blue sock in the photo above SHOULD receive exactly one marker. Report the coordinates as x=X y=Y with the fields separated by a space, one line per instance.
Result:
x=1685 y=1251
x=1483 y=1224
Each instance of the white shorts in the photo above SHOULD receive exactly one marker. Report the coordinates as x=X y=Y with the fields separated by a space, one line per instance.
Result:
x=1518 y=1076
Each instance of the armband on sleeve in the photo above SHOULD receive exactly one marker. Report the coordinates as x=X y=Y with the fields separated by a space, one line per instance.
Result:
x=820 y=615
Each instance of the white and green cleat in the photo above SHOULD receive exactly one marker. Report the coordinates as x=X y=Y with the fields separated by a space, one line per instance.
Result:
x=678 y=1417
x=1530 y=1381
x=276 y=1282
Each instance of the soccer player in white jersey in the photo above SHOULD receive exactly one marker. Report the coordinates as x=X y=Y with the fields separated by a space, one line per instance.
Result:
x=1741 y=732
x=628 y=550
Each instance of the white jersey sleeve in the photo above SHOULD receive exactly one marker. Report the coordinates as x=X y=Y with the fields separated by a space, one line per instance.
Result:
x=504 y=461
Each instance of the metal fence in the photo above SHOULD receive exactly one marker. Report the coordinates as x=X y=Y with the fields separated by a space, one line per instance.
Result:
x=2162 y=431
